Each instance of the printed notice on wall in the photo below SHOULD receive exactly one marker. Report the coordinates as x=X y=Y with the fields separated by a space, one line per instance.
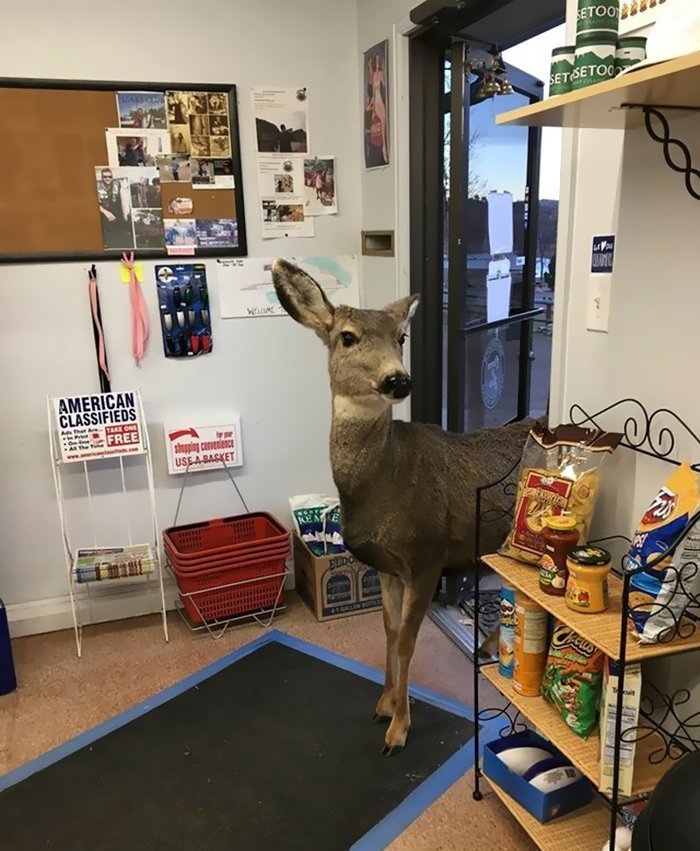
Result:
x=195 y=448
x=102 y=425
x=603 y=254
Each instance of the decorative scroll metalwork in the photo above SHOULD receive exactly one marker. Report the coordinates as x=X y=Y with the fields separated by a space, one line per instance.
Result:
x=513 y=719
x=665 y=720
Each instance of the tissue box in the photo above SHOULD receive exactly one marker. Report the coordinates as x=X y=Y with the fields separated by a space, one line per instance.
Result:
x=543 y=806
x=336 y=585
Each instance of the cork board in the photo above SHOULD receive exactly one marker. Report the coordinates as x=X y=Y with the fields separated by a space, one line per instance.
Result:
x=52 y=141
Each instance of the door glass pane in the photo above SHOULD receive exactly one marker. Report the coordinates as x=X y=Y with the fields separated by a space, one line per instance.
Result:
x=492 y=375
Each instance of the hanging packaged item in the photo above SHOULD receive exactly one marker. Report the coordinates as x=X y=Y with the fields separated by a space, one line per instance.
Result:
x=530 y=646
x=573 y=679
x=660 y=595
x=559 y=473
x=506 y=643
x=183 y=298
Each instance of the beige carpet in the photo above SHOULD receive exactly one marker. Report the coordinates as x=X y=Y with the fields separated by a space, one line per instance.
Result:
x=123 y=663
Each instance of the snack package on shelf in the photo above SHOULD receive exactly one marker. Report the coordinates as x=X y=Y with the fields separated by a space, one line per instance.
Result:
x=632 y=696
x=559 y=472
x=572 y=679
x=316 y=519
x=660 y=595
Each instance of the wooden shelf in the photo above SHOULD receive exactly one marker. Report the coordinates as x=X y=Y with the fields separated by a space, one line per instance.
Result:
x=583 y=753
x=587 y=829
x=672 y=83
x=603 y=629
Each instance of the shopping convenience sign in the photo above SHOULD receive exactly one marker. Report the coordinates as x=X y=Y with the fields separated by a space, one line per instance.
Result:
x=194 y=448
x=99 y=425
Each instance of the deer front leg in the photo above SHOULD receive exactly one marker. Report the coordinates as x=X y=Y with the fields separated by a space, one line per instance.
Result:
x=416 y=599
x=392 y=599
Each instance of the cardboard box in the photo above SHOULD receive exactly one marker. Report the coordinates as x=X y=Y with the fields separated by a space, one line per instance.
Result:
x=543 y=806
x=335 y=586
x=631 y=700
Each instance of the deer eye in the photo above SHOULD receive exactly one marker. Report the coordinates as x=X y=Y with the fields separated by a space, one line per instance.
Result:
x=348 y=338
x=402 y=339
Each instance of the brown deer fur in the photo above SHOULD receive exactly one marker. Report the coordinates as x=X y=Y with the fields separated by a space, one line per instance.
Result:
x=407 y=490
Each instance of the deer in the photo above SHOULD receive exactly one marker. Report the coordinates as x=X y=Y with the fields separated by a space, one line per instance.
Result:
x=407 y=490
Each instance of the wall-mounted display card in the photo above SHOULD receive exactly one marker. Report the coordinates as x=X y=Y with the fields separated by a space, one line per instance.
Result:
x=185 y=319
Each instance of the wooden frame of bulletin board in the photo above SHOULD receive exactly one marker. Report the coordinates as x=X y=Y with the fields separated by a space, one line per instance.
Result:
x=53 y=143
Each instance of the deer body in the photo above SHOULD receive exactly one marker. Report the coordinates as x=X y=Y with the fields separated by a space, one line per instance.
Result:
x=407 y=490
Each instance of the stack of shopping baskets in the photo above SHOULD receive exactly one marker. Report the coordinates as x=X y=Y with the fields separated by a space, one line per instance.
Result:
x=229 y=567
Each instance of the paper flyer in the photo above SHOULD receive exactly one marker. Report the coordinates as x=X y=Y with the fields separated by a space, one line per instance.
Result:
x=281 y=120
x=320 y=186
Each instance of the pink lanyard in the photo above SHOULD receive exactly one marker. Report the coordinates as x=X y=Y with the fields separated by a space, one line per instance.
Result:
x=139 y=313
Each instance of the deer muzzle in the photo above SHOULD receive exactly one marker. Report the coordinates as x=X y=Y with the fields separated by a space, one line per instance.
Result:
x=396 y=386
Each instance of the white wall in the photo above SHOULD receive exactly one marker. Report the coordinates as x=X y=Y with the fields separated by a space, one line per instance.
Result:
x=620 y=184
x=270 y=370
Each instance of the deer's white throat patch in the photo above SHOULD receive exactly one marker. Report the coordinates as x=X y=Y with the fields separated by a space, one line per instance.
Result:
x=359 y=407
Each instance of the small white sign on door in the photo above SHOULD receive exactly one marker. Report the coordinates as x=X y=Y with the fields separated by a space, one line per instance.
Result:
x=193 y=447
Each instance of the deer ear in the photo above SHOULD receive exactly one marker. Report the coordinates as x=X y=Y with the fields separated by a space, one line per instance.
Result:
x=303 y=298
x=402 y=311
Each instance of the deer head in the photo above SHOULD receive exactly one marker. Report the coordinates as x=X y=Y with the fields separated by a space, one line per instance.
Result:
x=365 y=346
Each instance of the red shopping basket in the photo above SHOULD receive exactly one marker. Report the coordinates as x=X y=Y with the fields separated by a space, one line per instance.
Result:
x=226 y=535
x=215 y=595
x=225 y=558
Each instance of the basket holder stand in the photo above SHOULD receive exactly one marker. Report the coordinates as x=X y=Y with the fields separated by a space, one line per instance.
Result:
x=152 y=581
x=217 y=628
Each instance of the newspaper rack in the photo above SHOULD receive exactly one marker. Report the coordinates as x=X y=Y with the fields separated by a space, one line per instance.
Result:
x=94 y=572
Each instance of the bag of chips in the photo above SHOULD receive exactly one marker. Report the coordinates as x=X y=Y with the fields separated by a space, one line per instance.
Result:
x=317 y=522
x=558 y=474
x=573 y=679
x=660 y=595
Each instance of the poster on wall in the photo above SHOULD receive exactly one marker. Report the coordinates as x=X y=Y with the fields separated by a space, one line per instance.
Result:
x=246 y=288
x=193 y=448
x=281 y=120
x=101 y=425
x=320 y=186
x=635 y=14
x=376 y=95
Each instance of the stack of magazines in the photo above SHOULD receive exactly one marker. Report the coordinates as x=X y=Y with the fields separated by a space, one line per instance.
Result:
x=93 y=565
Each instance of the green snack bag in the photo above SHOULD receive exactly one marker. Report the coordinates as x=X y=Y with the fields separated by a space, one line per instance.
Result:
x=573 y=679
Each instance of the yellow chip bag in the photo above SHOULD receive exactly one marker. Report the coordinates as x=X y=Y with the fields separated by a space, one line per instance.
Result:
x=558 y=474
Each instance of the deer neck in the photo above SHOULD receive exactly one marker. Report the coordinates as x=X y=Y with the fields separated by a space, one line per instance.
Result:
x=361 y=443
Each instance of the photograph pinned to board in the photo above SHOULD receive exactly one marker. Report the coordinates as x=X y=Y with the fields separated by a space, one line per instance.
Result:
x=114 y=202
x=144 y=110
x=246 y=289
x=320 y=197
x=282 y=218
x=145 y=188
x=281 y=120
x=135 y=151
x=183 y=304
x=180 y=206
x=199 y=123
x=376 y=130
x=180 y=234
x=217 y=233
x=174 y=168
x=212 y=173
x=281 y=176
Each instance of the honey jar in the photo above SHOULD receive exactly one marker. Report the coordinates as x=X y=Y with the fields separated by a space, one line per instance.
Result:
x=560 y=536
x=587 y=585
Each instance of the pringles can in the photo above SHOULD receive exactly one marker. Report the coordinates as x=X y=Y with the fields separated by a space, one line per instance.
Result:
x=530 y=648
x=506 y=640
x=561 y=69
x=594 y=61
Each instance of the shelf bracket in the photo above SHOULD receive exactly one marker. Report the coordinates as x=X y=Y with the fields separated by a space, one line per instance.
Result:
x=654 y=111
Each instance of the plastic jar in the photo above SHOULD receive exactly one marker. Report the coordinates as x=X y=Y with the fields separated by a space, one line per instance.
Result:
x=560 y=536
x=587 y=585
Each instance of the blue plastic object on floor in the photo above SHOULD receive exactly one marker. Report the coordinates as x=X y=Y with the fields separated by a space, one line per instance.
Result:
x=8 y=680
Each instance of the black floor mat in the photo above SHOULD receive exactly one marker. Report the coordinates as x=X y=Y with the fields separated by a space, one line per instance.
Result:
x=276 y=751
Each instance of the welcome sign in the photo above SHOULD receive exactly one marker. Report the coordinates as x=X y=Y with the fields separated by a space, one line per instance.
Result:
x=101 y=425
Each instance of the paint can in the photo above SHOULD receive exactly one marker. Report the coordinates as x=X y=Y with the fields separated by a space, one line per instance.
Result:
x=602 y=16
x=630 y=50
x=506 y=639
x=595 y=60
x=561 y=69
x=530 y=648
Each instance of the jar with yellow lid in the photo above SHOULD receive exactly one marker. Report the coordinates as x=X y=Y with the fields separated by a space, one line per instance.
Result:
x=560 y=536
x=587 y=585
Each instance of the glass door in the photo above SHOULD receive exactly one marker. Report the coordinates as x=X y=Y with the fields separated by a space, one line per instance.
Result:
x=491 y=177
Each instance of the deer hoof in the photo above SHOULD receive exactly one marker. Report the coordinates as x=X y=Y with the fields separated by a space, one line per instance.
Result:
x=391 y=750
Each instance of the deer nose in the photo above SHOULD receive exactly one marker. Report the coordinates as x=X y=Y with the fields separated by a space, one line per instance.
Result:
x=397 y=386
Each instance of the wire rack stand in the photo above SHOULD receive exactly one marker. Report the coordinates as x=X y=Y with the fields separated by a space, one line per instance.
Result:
x=668 y=726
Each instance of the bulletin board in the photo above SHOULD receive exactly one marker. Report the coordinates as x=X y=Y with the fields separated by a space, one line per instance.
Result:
x=173 y=186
